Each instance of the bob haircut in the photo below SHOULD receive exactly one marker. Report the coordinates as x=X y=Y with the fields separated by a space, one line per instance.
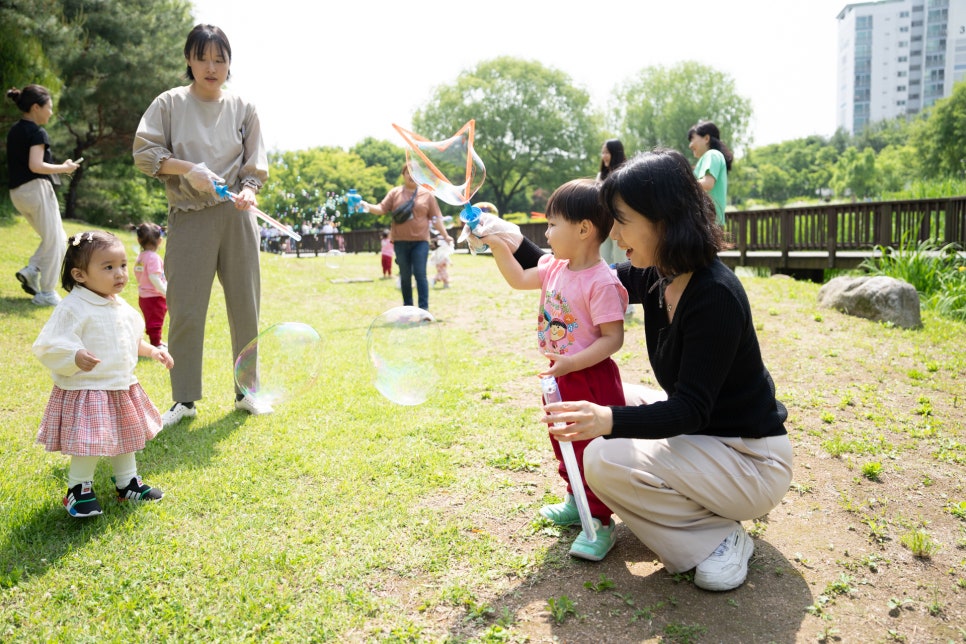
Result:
x=578 y=200
x=198 y=40
x=617 y=157
x=661 y=187
x=80 y=249
x=29 y=96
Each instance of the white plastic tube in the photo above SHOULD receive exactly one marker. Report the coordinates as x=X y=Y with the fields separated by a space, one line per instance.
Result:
x=551 y=394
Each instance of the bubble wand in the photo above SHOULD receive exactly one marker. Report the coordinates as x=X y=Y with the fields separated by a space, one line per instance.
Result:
x=225 y=193
x=548 y=384
x=430 y=161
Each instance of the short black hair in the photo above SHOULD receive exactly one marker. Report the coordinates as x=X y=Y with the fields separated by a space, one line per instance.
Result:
x=578 y=200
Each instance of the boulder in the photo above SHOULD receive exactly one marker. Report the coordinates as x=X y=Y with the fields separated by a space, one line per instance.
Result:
x=879 y=298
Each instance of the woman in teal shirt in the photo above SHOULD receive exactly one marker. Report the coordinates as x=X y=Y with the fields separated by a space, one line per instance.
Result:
x=714 y=162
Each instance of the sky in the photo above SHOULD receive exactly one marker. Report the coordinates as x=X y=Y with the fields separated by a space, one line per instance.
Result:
x=333 y=73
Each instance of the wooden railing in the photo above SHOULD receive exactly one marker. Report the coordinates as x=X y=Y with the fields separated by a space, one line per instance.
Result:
x=840 y=235
x=806 y=238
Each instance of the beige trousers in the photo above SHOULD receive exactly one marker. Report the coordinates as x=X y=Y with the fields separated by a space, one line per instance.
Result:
x=37 y=202
x=222 y=241
x=682 y=495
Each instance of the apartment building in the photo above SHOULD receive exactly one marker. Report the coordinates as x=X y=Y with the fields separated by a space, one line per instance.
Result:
x=897 y=57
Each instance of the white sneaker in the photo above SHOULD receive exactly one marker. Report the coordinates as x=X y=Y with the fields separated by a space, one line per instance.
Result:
x=727 y=567
x=46 y=299
x=29 y=278
x=178 y=411
x=253 y=407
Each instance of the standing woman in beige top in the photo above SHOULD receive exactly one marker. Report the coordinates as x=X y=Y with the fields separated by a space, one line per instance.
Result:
x=190 y=137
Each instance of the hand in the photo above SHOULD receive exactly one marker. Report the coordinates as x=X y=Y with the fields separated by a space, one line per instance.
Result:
x=162 y=356
x=85 y=360
x=559 y=365
x=202 y=179
x=246 y=199
x=585 y=420
x=71 y=165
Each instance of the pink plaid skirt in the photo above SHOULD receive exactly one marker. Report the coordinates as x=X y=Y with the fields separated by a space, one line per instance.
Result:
x=97 y=422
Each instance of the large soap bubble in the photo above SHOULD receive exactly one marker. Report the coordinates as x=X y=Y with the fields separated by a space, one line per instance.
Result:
x=406 y=354
x=450 y=169
x=281 y=363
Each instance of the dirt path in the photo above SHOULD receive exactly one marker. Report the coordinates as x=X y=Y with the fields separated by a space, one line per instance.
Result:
x=876 y=415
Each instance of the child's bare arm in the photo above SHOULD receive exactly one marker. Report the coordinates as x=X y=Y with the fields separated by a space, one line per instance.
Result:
x=611 y=339
x=515 y=275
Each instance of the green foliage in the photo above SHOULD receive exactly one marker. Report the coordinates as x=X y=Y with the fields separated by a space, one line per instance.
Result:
x=121 y=55
x=561 y=608
x=299 y=183
x=659 y=106
x=853 y=174
x=927 y=265
x=534 y=128
x=382 y=153
x=941 y=137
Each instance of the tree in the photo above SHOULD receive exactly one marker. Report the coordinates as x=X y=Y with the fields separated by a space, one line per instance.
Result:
x=854 y=174
x=381 y=153
x=941 y=138
x=25 y=26
x=659 y=106
x=122 y=55
x=302 y=182
x=534 y=129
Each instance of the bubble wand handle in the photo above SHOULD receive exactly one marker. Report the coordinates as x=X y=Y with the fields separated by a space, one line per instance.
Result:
x=225 y=193
x=548 y=384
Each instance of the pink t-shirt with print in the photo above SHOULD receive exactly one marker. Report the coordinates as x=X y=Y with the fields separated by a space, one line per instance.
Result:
x=573 y=304
x=147 y=263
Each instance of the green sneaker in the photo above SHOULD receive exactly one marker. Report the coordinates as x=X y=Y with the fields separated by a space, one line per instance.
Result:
x=562 y=513
x=597 y=549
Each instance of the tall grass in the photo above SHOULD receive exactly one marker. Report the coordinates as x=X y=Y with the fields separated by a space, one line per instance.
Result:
x=938 y=272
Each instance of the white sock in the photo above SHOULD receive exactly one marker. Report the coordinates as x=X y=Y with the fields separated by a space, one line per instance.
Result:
x=125 y=468
x=81 y=469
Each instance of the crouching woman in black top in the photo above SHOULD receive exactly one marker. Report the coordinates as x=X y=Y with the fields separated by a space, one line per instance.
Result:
x=683 y=468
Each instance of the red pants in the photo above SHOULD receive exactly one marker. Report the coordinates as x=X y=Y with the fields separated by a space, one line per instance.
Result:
x=600 y=384
x=386 y=265
x=153 y=309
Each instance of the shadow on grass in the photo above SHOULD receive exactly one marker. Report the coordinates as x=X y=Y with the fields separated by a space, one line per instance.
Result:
x=48 y=534
x=630 y=597
x=22 y=306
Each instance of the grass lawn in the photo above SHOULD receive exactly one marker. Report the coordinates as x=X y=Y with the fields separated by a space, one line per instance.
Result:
x=345 y=517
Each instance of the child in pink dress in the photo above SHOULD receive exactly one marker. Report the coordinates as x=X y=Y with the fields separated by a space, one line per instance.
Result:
x=152 y=286
x=91 y=344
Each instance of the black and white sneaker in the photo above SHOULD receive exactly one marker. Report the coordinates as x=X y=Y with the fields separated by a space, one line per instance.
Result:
x=80 y=501
x=137 y=491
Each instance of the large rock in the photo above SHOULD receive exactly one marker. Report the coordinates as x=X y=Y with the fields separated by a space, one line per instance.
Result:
x=880 y=298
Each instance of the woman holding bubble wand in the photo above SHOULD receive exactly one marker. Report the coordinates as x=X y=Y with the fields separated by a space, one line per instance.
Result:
x=195 y=139
x=410 y=237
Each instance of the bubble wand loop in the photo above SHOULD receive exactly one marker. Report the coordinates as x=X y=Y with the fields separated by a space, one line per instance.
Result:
x=548 y=384
x=225 y=193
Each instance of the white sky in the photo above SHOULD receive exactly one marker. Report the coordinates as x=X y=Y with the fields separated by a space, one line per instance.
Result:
x=333 y=72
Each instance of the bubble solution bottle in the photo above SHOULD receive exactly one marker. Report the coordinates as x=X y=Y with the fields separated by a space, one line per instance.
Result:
x=551 y=394
x=354 y=199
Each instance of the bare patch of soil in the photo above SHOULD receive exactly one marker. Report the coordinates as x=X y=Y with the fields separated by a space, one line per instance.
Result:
x=869 y=545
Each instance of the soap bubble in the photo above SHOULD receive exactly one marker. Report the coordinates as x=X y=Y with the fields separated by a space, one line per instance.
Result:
x=406 y=354
x=281 y=363
x=438 y=166
x=333 y=259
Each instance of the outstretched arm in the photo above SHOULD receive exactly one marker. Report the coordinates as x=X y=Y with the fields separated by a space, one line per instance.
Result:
x=515 y=275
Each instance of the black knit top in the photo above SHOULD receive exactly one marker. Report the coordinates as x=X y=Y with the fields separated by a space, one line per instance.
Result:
x=707 y=359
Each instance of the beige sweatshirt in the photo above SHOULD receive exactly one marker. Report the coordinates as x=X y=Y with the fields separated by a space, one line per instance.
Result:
x=225 y=134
